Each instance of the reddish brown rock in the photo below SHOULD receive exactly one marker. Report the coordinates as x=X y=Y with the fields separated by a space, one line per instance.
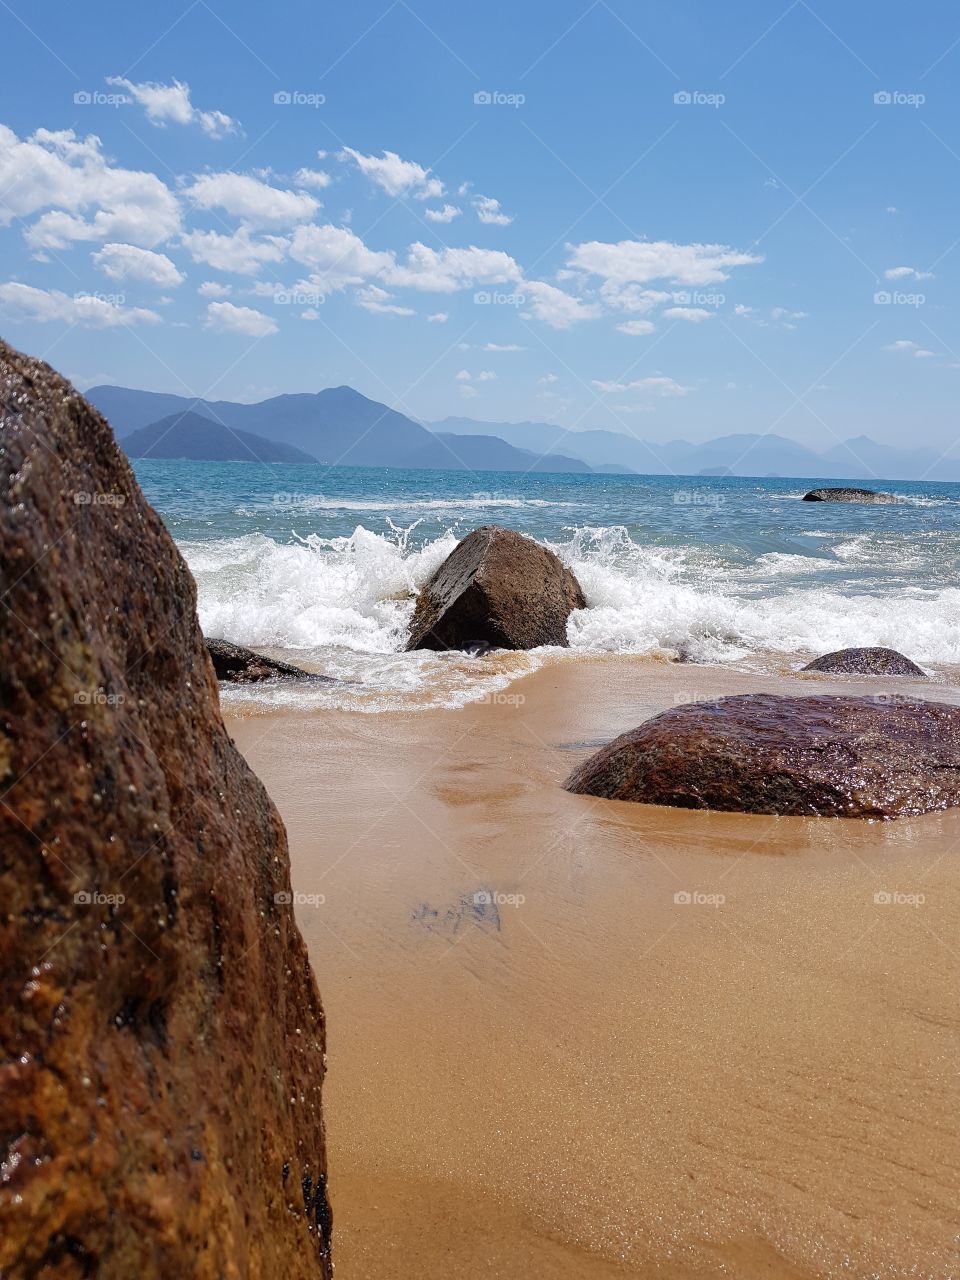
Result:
x=865 y=662
x=496 y=589
x=161 y=1033
x=758 y=753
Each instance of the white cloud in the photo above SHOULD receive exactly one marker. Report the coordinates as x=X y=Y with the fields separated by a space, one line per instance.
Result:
x=659 y=386
x=489 y=212
x=238 y=252
x=467 y=391
x=554 y=307
x=501 y=346
x=695 y=315
x=255 y=202
x=336 y=257
x=446 y=270
x=445 y=214
x=783 y=313
x=464 y=375
x=127 y=262
x=224 y=317
x=643 y=261
x=90 y=199
x=486 y=375
x=636 y=328
x=902 y=344
x=312 y=178
x=439 y=317
x=548 y=380
x=377 y=300
x=632 y=298
x=213 y=289
x=921 y=354
x=27 y=303
x=395 y=176
x=163 y=102
x=907 y=273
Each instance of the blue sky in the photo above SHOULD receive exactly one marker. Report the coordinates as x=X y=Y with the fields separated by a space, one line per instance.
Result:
x=673 y=219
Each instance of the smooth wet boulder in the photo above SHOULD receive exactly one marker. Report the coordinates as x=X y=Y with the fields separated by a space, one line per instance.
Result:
x=865 y=662
x=161 y=1034
x=759 y=753
x=234 y=664
x=849 y=495
x=496 y=588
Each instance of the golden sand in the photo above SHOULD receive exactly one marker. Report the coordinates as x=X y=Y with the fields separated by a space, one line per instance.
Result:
x=580 y=1038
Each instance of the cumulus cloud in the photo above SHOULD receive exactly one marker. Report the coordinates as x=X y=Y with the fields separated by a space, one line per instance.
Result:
x=643 y=261
x=445 y=214
x=336 y=257
x=255 y=202
x=502 y=346
x=555 y=308
x=312 y=178
x=660 y=386
x=447 y=270
x=438 y=317
x=907 y=273
x=237 y=252
x=213 y=289
x=489 y=212
x=88 y=198
x=163 y=102
x=637 y=328
x=377 y=300
x=224 y=317
x=24 y=302
x=694 y=315
x=128 y=262
x=395 y=176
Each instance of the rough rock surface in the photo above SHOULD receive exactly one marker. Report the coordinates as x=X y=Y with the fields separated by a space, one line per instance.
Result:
x=865 y=662
x=161 y=1034
x=496 y=588
x=848 y=495
x=759 y=753
x=237 y=665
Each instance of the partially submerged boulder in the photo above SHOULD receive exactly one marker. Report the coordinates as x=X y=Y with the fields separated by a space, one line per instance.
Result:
x=865 y=662
x=848 y=494
x=161 y=1034
x=236 y=665
x=499 y=589
x=759 y=753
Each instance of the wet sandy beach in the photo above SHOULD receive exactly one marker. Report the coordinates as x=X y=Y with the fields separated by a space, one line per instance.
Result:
x=572 y=1037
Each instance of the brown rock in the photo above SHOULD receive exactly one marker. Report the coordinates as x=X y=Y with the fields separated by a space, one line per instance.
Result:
x=849 y=495
x=758 y=753
x=236 y=665
x=865 y=662
x=161 y=1034
x=496 y=588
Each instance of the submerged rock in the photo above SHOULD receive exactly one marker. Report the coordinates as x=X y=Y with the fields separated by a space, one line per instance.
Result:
x=759 y=753
x=161 y=1033
x=496 y=589
x=865 y=662
x=236 y=665
x=848 y=495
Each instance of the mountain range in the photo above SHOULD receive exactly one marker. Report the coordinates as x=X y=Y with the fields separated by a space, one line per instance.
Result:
x=341 y=427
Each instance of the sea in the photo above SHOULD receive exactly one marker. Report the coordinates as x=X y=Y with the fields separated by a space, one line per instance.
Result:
x=321 y=566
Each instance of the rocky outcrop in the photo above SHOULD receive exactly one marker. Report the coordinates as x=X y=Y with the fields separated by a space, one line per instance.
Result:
x=848 y=495
x=865 y=662
x=759 y=753
x=235 y=665
x=161 y=1033
x=496 y=588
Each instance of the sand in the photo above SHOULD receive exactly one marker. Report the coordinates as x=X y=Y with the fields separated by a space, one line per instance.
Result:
x=658 y=1043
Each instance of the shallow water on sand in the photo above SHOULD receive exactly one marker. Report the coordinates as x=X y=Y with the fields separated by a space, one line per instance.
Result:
x=579 y=1038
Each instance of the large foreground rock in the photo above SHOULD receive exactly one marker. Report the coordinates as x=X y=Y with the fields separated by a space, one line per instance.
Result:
x=865 y=662
x=759 y=753
x=497 y=589
x=848 y=495
x=161 y=1034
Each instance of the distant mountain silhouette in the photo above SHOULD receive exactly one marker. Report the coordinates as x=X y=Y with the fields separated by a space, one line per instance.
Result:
x=190 y=435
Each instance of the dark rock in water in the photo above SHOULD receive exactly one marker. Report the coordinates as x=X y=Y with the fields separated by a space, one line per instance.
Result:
x=865 y=662
x=759 y=753
x=161 y=1034
x=237 y=665
x=499 y=590
x=848 y=495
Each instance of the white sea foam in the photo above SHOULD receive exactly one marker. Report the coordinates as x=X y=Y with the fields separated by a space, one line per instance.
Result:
x=344 y=604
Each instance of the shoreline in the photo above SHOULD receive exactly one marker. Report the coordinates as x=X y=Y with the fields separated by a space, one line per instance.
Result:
x=576 y=1074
